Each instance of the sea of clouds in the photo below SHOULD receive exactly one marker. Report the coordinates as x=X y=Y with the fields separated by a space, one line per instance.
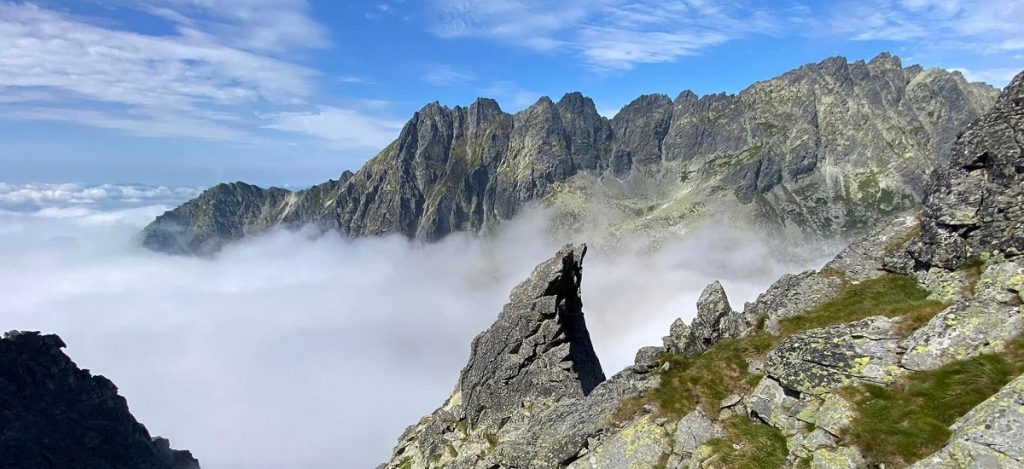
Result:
x=292 y=350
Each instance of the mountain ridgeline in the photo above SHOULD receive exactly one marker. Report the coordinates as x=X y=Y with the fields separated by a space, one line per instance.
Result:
x=826 y=149
x=904 y=351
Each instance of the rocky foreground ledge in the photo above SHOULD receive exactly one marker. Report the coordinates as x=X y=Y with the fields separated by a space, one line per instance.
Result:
x=906 y=350
x=55 y=415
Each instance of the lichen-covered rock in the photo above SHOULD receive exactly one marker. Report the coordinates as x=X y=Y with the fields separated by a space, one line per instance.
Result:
x=819 y=360
x=640 y=444
x=678 y=337
x=1000 y=282
x=647 y=359
x=715 y=321
x=792 y=412
x=943 y=285
x=842 y=457
x=977 y=205
x=791 y=295
x=772 y=404
x=54 y=415
x=693 y=430
x=863 y=259
x=989 y=436
x=962 y=331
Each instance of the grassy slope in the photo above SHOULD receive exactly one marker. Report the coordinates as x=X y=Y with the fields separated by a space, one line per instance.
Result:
x=895 y=426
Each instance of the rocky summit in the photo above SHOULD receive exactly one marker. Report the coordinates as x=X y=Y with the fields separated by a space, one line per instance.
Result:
x=826 y=149
x=906 y=350
x=55 y=415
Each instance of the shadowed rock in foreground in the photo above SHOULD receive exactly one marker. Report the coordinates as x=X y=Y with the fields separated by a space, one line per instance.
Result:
x=55 y=415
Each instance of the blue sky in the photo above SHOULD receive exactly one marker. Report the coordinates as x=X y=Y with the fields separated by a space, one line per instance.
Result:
x=290 y=92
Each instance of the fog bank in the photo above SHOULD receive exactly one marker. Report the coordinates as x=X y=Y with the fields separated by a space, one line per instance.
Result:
x=289 y=350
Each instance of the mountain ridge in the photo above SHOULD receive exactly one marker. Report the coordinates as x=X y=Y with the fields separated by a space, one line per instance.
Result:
x=812 y=133
x=905 y=350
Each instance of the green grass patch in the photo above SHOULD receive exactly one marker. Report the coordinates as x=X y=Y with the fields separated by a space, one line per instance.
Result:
x=889 y=295
x=900 y=425
x=749 y=445
x=702 y=380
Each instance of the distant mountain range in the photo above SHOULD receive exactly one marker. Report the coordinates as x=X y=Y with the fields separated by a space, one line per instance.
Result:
x=827 y=149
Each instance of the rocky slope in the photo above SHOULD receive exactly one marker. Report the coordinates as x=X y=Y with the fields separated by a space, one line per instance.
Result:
x=55 y=415
x=905 y=350
x=825 y=149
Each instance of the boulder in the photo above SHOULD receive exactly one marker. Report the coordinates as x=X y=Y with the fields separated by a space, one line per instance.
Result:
x=820 y=360
x=989 y=436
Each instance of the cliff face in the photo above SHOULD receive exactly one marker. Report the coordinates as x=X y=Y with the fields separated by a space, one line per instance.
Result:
x=55 y=415
x=827 y=149
x=906 y=350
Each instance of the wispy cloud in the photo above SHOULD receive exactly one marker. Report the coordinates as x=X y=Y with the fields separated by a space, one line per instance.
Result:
x=972 y=36
x=344 y=128
x=222 y=66
x=446 y=75
x=981 y=26
x=510 y=95
x=58 y=196
x=999 y=75
x=605 y=34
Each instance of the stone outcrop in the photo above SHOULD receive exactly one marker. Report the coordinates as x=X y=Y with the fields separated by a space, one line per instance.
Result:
x=825 y=149
x=533 y=393
x=976 y=207
x=55 y=415
x=972 y=326
x=538 y=348
x=715 y=320
x=820 y=360
x=990 y=435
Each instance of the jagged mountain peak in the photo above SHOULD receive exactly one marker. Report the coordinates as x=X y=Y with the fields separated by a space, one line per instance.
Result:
x=894 y=354
x=792 y=153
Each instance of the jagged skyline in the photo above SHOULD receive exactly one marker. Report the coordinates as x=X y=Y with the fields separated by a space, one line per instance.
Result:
x=284 y=92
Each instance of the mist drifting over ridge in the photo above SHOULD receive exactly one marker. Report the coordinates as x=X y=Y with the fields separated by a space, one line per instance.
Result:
x=294 y=350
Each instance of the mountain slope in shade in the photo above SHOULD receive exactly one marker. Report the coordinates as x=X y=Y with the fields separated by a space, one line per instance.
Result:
x=825 y=149
x=55 y=415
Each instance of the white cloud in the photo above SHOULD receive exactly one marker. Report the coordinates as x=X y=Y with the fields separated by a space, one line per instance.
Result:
x=51 y=50
x=139 y=123
x=510 y=95
x=446 y=75
x=606 y=34
x=345 y=128
x=260 y=25
x=288 y=351
x=979 y=26
x=43 y=195
x=220 y=69
x=998 y=77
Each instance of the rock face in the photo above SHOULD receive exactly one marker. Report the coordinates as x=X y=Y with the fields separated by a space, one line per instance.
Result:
x=990 y=435
x=55 y=415
x=538 y=348
x=977 y=206
x=787 y=396
x=715 y=321
x=533 y=393
x=825 y=149
x=820 y=360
